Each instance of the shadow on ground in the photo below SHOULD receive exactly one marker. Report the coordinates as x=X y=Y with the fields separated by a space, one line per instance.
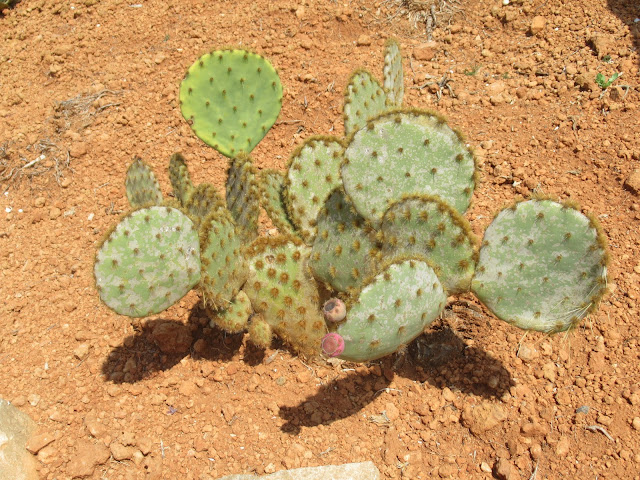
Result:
x=628 y=11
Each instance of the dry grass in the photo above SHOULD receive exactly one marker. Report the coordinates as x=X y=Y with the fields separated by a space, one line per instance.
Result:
x=430 y=13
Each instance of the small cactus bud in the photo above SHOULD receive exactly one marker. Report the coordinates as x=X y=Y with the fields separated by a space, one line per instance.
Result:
x=332 y=344
x=334 y=310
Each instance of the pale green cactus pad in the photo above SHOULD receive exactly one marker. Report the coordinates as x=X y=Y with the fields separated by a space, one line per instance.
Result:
x=344 y=253
x=148 y=262
x=141 y=185
x=180 y=179
x=392 y=73
x=231 y=98
x=542 y=266
x=391 y=310
x=364 y=98
x=224 y=268
x=425 y=225
x=280 y=288
x=313 y=172
x=233 y=319
x=406 y=152
x=243 y=198
x=271 y=186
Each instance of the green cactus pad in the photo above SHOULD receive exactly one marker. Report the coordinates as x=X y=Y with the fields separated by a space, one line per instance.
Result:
x=203 y=200
x=243 y=199
x=313 y=172
x=392 y=73
x=180 y=179
x=542 y=266
x=425 y=225
x=344 y=252
x=235 y=318
x=280 y=288
x=231 y=98
x=406 y=152
x=271 y=186
x=260 y=332
x=392 y=309
x=224 y=268
x=148 y=262
x=364 y=98
x=141 y=185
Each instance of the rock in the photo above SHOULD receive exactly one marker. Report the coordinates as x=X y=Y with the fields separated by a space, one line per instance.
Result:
x=392 y=411
x=563 y=446
x=549 y=371
x=482 y=417
x=586 y=82
x=78 y=149
x=601 y=44
x=349 y=471
x=39 y=202
x=537 y=25
x=527 y=353
x=363 y=40
x=120 y=452
x=616 y=93
x=54 y=213
x=424 y=52
x=636 y=423
x=81 y=351
x=505 y=471
x=87 y=457
x=15 y=429
x=38 y=441
x=172 y=337
x=632 y=183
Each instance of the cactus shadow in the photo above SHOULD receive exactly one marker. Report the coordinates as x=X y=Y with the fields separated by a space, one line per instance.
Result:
x=159 y=344
x=627 y=12
x=439 y=357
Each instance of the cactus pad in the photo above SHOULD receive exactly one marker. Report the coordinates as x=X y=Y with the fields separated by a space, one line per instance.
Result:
x=426 y=225
x=392 y=73
x=203 y=200
x=231 y=98
x=402 y=153
x=235 y=318
x=260 y=332
x=179 y=177
x=364 y=98
x=314 y=171
x=282 y=290
x=344 y=251
x=243 y=199
x=392 y=309
x=141 y=185
x=542 y=266
x=271 y=186
x=148 y=262
x=224 y=269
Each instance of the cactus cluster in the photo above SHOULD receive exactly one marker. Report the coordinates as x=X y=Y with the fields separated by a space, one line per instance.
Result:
x=375 y=218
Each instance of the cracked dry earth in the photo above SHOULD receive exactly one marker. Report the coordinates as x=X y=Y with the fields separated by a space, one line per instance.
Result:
x=86 y=86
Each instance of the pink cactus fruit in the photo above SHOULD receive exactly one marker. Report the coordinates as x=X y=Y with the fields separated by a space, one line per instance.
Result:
x=334 y=310
x=332 y=344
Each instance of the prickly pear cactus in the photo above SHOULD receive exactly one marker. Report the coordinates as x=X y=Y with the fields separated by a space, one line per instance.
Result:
x=282 y=290
x=231 y=98
x=271 y=186
x=345 y=251
x=406 y=152
x=149 y=261
x=425 y=225
x=180 y=179
x=235 y=318
x=260 y=332
x=243 y=199
x=203 y=200
x=392 y=73
x=313 y=172
x=542 y=266
x=392 y=309
x=364 y=98
x=224 y=268
x=141 y=185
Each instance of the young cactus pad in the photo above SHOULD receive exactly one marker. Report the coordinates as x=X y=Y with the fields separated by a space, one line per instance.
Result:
x=231 y=98
x=141 y=185
x=392 y=309
x=425 y=225
x=224 y=269
x=402 y=153
x=364 y=98
x=179 y=177
x=392 y=73
x=243 y=199
x=314 y=171
x=271 y=186
x=344 y=251
x=203 y=200
x=148 y=262
x=235 y=318
x=542 y=266
x=282 y=290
